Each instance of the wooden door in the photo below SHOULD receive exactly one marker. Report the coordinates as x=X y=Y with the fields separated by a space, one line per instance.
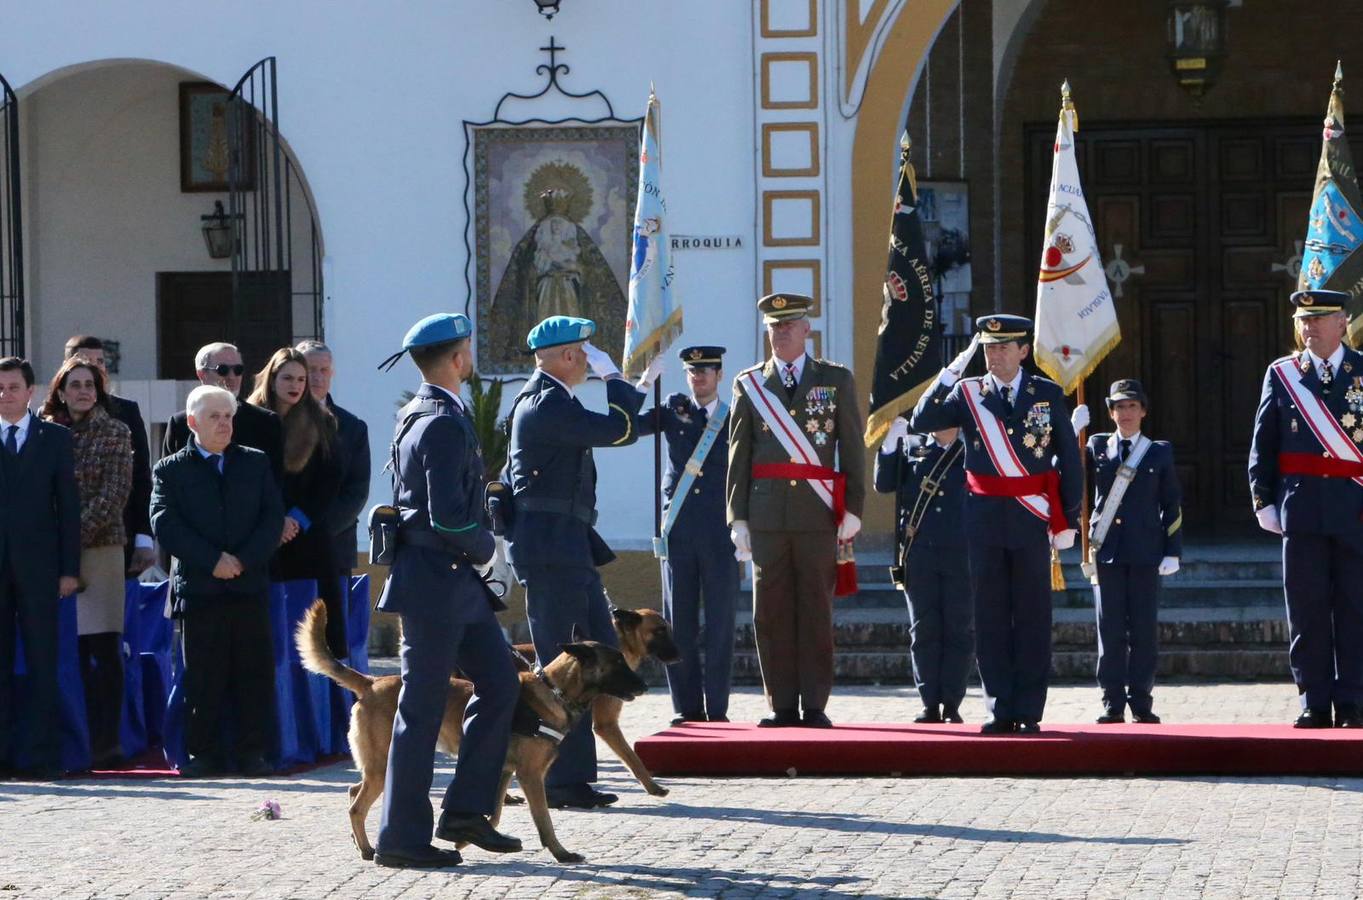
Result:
x=196 y=308
x=1197 y=225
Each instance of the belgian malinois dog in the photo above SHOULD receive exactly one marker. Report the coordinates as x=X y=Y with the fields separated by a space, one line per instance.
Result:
x=642 y=633
x=560 y=695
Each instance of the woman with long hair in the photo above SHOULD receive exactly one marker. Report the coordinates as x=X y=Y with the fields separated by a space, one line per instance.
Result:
x=313 y=470
x=102 y=446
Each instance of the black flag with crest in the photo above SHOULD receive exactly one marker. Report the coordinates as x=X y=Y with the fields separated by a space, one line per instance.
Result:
x=908 y=345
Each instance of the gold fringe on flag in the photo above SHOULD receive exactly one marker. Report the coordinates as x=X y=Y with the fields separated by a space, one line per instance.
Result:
x=1057 y=571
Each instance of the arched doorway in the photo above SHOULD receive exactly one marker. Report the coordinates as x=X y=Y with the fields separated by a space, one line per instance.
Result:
x=112 y=222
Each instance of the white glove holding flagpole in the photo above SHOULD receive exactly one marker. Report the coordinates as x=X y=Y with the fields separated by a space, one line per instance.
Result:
x=1079 y=419
x=899 y=429
x=1064 y=540
x=600 y=361
x=849 y=528
x=655 y=368
x=738 y=533
x=1168 y=565
x=1268 y=519
x=956 y=368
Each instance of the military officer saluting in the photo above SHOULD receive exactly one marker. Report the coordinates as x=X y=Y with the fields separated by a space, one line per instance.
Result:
x=1306 y=482
x=788 y=508
x=1024 y=479
x=697 y=557
x=1136 y=535
x=928 y=479
x=552 y=543
x=447 y=615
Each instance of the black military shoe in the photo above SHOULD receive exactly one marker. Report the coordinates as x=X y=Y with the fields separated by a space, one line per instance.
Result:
x=1348 y=715
x=719 y=718
x=998 y=726
x=952 y=714
x=781 y=718
x=1112 y=715
x=1145 y=718
x=475 y=829
x=815 y=718
x=577 y=796
x=202 y=767
x=427 y=857
x=1314 y=718
x=929 y=716
x=1028 y=727
x=256 y=767
x=687 y=717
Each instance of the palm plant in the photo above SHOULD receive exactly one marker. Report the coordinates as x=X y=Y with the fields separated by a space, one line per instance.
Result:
x=485 y=406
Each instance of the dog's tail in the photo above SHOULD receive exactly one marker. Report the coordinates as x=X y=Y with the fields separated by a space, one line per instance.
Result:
x=316 y=656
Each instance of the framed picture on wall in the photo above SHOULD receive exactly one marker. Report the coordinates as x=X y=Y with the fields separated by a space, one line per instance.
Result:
x=205 y=140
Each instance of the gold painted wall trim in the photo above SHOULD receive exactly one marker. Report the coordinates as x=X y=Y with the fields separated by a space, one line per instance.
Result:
x=811 y=61
x=808 y=31
x=770 y=129
x=813 y=266
x=812 y=235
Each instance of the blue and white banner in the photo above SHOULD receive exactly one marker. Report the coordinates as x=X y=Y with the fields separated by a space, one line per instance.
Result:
x=654 y=319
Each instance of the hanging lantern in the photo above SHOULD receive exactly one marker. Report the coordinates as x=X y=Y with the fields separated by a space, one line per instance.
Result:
x=217 y=229
x=1197 y=43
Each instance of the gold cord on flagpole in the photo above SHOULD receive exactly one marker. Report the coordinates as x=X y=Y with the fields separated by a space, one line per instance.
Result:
x=1067 y=106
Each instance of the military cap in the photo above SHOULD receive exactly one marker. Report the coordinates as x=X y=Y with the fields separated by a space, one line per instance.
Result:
x=1310 y=304
x=1000 y=329
x=701 y=356
x=1126 y=389
x=556 y=331
x=784 y=307
x=440 y=328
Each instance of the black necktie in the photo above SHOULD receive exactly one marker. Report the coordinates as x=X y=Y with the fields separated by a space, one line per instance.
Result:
x=12 y=440
x=215 y=460
x=701 y=415
x=1006 y=392
x=1123 y=448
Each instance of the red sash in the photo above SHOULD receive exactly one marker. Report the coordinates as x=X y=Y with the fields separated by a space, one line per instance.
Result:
x=847 y=570
x=1318 y=466
x=1045 y=483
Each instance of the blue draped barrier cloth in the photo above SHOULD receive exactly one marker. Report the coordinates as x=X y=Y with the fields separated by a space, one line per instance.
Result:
x=312 y=713
x=75 y=735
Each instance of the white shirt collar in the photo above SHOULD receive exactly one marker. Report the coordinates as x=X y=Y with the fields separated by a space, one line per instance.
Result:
x=22 y=423
x=709 y=407
x=1335 y=359
x=1012 y=385
x=798 y=363
x=458 y=401
x=558 y=382
x=1114 y=443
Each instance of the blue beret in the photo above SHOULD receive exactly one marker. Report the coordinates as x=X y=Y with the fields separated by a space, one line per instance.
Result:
x=557 y=330
x=440 y=328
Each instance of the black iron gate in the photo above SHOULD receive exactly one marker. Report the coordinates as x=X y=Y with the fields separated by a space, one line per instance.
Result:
x=11 y=228
x=276 y=256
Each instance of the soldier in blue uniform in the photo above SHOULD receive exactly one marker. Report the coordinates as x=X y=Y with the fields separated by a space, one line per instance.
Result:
x=698 y=557
x=1306 y=481
x=1137 y=536
x=447 y=613
x=552 y=543
x=927 y=477
x=1025 y=482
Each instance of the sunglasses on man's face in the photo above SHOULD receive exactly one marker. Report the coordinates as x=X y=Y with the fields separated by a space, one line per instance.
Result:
x=223 y=369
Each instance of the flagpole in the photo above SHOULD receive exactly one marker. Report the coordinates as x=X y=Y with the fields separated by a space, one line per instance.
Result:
x=1082 y=438
x=657 y=457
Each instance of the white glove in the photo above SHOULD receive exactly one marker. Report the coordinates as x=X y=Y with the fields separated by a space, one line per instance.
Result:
x=956 y=368
x=600 y=361
x=1168 y=565
x=849 y=528
x=738 y=533
x=898 y=429
x=655 y=368
x=1268 y=519
x=1079 y=419
x=1064 y=540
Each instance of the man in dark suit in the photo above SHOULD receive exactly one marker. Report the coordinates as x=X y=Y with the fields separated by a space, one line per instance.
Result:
x=447 y=613
x=139 y=552
x=39 y=562
x=220 y=365
x=1306 y=481
x=1136 y=535
x=352 y=436
x=215 y=507
x=697 y=556
x=1025 y=480
x=551 y=542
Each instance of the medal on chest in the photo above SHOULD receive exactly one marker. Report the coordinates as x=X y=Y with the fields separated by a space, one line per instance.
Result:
x=1036 y=426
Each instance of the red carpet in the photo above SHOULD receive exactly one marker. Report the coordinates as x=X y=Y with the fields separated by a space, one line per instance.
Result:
x=152 y=764
x=894 y=749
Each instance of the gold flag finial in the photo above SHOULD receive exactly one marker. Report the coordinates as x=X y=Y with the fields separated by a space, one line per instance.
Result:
x=906 y=166
x=1339 y=72
x=1067 y=105
x=904 y=142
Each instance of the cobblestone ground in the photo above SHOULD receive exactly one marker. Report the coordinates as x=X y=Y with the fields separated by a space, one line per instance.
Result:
x=739 y=837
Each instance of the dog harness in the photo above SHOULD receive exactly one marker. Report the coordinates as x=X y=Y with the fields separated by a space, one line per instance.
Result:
x=525 y=721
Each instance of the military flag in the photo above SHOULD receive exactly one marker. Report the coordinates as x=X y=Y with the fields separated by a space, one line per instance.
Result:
x=1076 y=319
x=908 y=345
x=654 y=318
x=1330 y=257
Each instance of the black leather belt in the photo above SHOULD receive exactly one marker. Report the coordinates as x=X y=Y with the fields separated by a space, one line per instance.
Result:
x=562 y=507
x=427 y=539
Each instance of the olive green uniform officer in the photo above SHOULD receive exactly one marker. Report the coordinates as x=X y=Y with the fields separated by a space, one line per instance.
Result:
x=794 y=416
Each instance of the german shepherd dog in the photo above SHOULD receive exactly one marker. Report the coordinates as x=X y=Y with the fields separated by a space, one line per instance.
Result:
x=642 y=633
x=560 y=696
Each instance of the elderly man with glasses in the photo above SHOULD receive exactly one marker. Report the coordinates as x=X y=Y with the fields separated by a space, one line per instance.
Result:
x=220 y=365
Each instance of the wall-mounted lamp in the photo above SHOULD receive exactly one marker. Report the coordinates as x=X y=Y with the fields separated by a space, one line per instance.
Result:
x=1197 y=43
x=548 y=7
x=217 y=229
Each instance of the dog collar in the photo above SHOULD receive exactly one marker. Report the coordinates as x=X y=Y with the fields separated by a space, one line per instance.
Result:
x=575 y=710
